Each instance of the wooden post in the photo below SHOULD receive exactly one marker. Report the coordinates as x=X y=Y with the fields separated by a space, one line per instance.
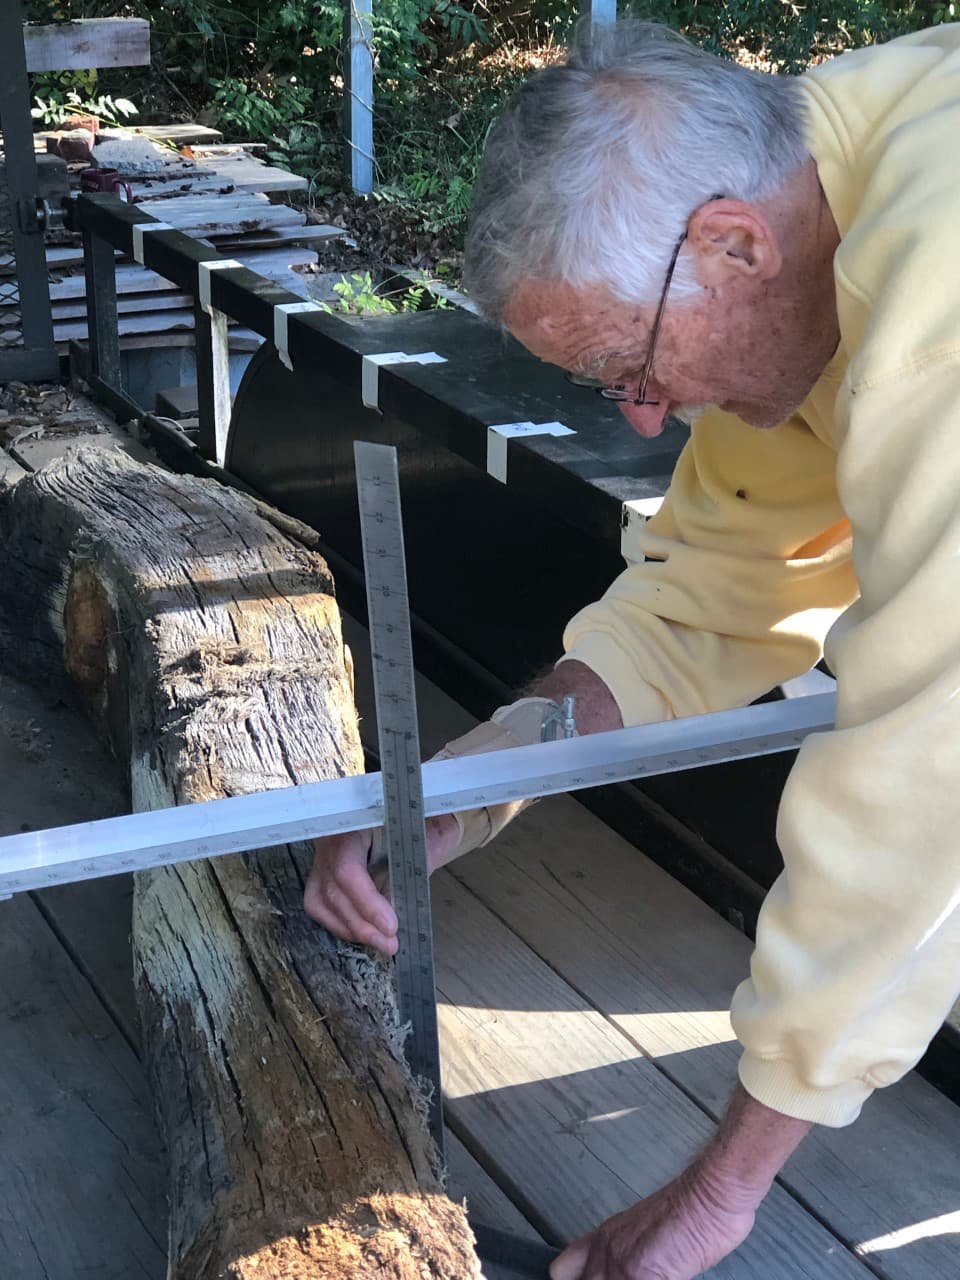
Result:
x=103 y=334
x=358 y=86
x=213 y=382
x=205 y=642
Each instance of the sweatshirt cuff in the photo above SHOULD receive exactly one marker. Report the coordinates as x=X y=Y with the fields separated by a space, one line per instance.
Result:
x=776 y=1084
x=638 y=701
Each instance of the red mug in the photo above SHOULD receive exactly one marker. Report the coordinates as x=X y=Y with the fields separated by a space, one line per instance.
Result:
x=104 y=179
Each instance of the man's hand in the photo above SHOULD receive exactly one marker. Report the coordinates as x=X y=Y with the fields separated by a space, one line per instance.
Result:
x=342 y=895
x=676 y=1234
x=341 y=892
x=687 y=1227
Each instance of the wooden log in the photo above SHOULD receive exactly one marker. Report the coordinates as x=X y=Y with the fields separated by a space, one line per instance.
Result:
x=206 y=643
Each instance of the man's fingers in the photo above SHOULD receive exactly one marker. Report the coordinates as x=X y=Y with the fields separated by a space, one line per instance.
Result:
x=365 y=898
x=341 y=896
x=570 y=1264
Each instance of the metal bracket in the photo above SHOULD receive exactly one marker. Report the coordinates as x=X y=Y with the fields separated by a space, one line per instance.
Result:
x=30 y=216
x=559 y=721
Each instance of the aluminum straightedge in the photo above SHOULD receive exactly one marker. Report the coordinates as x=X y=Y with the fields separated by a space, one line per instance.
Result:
x=60 y=855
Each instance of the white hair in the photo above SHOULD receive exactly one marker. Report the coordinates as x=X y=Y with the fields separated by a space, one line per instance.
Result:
x=591 y=173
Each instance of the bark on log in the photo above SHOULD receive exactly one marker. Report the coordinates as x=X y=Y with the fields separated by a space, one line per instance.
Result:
x=206 y=643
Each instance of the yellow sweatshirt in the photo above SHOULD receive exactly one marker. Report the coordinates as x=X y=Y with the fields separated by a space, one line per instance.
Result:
x=752 y=563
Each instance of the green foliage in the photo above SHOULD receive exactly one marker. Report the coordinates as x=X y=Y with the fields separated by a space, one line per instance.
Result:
x=786 y=35
x=61 y=94
x=274 y=72
x=357 y=295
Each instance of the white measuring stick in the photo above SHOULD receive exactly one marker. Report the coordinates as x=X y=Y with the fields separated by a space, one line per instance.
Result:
x=134 y=842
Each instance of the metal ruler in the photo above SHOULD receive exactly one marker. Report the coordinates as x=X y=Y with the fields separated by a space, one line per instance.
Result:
x=137 y=841
x=388 y=609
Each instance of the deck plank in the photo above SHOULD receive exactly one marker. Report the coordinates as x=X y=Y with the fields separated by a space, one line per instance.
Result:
x=577 y=1123
x=662 y=966
x=81 y=1189
x=486 y=1202
x=93 y=920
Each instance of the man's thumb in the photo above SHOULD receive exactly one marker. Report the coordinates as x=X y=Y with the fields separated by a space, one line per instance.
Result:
x=570 y=1264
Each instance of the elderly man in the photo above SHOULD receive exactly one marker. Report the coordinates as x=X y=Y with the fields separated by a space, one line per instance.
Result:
x=681 y=231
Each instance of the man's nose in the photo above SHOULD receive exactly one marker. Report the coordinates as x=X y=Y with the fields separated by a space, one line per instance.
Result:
x=646 y=419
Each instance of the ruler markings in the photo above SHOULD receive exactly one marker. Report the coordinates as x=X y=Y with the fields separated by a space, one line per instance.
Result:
x=381 y=528
x=210 y=828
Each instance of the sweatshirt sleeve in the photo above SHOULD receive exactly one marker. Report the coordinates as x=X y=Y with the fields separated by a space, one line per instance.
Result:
x=857 y=960
x=731 y=588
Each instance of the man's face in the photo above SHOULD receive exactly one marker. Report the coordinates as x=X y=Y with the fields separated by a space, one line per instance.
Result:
x=730 y=353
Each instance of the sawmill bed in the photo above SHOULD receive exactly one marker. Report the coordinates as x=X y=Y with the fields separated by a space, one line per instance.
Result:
x=586 y=1048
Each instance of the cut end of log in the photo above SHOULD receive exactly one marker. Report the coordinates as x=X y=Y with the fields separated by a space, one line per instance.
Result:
x=381 y=1237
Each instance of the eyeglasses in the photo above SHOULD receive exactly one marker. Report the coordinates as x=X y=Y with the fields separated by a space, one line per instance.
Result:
x=618 y=392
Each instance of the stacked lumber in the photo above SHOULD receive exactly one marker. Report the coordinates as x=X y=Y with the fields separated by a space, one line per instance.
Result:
x=149 y=304
x=213 y=191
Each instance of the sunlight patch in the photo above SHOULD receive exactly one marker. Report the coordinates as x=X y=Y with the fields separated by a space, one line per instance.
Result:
x=947 y=1224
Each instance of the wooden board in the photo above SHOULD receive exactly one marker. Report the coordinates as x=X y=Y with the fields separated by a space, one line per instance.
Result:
x=81 y=1189
x=135 y=304
x=224 y=216
x=566 y=1109
x=86 y=43
x=159 y=322
x=181 y=134
x=247 y=173
x=153 y=194
x=139 y=280
x=230 y=148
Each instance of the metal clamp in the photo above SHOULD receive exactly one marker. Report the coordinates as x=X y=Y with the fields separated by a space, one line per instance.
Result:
x=370 y=371
x=559 y=721
x=139 y=230
x=498 y=436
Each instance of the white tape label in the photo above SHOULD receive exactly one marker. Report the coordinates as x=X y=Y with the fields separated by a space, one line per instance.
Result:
x=203 y=278
x=139 y=230
x=281 y=312
x=370 y=371
x=498 y=436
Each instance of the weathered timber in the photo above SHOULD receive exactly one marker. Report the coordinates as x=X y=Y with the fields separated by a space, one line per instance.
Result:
x=87 y=42
x=206 y=644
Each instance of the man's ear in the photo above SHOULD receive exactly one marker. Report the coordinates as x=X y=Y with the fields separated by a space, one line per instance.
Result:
x=732 y=240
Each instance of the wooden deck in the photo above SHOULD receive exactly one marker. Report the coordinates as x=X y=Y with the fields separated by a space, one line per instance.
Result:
x=587 y=1050
x=586 y=1044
